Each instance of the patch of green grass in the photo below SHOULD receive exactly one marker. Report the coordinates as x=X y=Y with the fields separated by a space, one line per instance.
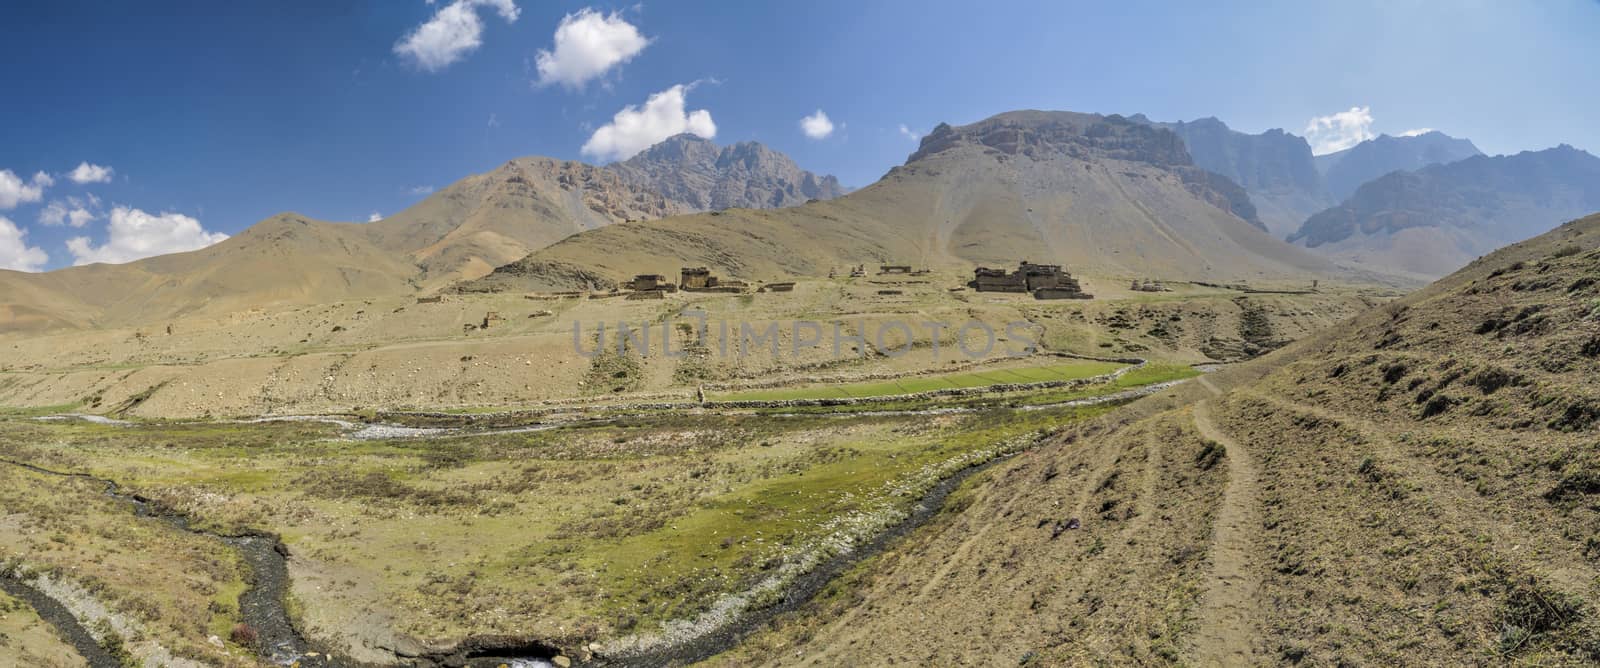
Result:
x=1074 y=370
x=724 y=544
x=38 y=411
x=1149 y=374
x=225 y=608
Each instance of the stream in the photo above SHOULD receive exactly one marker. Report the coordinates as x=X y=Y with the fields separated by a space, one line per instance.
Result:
x=57 y=615
x=262 y=605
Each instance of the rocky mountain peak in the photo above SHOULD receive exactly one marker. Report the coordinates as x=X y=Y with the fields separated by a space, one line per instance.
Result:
x=683 y=147
x=697 y=175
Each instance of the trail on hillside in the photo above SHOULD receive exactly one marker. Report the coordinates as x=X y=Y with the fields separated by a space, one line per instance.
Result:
x=1456 y=505
x=1225 y=634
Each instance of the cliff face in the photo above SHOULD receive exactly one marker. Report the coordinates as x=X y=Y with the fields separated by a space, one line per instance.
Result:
x=697 y=175
x=1275 y=167
x=1272 y=160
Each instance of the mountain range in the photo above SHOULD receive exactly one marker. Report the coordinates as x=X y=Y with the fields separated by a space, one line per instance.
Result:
x=1287 y=183
x=1275 y=167
x=1103 y=195
x=461 y=232
x=1344 y=171
x=1435 y=219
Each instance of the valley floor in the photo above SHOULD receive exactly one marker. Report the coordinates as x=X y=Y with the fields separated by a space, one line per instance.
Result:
x=592 y=536
x=520 y=500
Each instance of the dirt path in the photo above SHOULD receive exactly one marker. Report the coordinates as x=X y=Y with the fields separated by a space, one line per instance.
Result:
x=1225 y=636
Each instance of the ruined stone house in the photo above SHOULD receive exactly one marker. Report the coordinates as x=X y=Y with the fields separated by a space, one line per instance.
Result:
x=696 y=278
x=700 y=279
x=647 y=282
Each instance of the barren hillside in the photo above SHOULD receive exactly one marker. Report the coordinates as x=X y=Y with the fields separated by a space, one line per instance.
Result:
x=1415 y=487
x=486 y=220
x=284 y=260
x=461 y=232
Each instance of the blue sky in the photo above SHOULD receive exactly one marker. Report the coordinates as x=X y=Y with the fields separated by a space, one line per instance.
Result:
x=211 y=116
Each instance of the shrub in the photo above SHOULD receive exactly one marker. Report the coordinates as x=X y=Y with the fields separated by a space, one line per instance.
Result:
x=244 y=635
x=1212 y=453
x=1493 y=378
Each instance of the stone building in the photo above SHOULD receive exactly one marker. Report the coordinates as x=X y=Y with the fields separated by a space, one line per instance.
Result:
x=1045 y=281
x=998 y=280
x=700 y=279
x=696 y=278
x=647 y=282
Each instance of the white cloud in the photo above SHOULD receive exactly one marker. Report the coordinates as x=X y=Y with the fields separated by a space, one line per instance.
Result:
x=587 y=45
x=420 y=190
x=1416 y=132
x=374 y=217
x=908 y=133
x=1337 y=132
x=635 y=129
x=15 y=253
x=816 y=126
x=87 y=173
x=14 y=191
x=451 y=34
x=73 y=211
x=134 y=234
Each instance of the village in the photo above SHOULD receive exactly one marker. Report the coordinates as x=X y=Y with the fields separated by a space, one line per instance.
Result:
x=1042 y=281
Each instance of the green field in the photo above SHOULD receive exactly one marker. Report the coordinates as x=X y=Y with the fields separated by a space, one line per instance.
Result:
x=1073 y=370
